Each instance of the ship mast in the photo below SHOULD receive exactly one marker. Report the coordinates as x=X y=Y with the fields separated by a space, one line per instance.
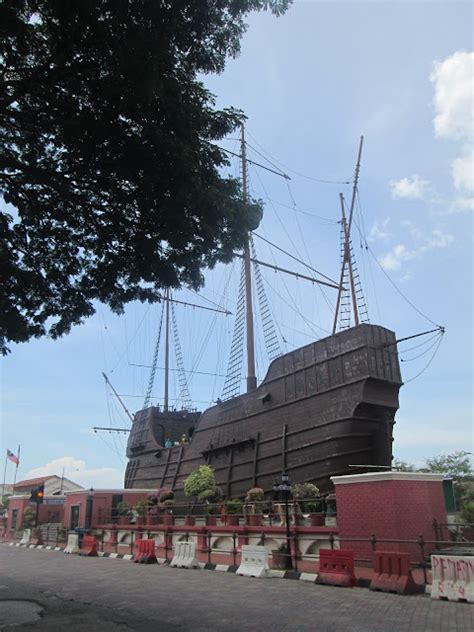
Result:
x=251 y=376
x=347 y=259
x=167 y=351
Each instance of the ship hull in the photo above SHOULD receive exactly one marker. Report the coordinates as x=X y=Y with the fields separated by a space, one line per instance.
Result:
x=320 y=409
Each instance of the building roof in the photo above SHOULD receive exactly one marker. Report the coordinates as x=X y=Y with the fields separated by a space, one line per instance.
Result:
x=31 y=482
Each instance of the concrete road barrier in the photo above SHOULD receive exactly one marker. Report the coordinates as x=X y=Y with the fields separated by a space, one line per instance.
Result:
x=452 y=578
x=185 y=555
x=72 y=544
x=254 y=561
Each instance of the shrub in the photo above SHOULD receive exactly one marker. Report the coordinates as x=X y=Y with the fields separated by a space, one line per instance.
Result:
x=233 y=506
x=141 y=506
x=200 y=480
x=29 y=517
x=307 y=495
x=256 y=494
x=123 y=508
x=467 y=512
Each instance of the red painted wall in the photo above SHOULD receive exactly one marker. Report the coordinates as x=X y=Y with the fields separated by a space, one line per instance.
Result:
x=101 y=504
x=399 y=509
x=46 y=512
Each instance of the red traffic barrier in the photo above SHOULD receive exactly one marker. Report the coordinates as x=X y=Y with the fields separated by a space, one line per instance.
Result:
x=145 y=552
x=392 y=573
x=336 y=567
x=89 y=546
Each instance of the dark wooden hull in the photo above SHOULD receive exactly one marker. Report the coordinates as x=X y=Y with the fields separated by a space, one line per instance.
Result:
x=319 y=409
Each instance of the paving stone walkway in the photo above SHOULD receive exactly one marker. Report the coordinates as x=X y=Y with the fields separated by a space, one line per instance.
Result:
x=88 y=594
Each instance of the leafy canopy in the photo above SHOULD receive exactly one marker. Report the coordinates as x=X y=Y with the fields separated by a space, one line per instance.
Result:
x=113 y=184
x=200 y=481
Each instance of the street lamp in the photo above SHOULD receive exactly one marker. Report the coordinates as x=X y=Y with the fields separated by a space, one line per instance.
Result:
x=282 y=491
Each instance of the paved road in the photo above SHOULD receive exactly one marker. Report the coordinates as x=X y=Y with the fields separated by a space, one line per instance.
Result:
x=87 y=594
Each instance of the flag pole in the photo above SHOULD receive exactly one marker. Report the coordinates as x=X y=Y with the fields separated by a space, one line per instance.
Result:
x=4 y=475
x=16 y=469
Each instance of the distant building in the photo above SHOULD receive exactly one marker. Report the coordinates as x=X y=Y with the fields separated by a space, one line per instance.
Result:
x=53 y=485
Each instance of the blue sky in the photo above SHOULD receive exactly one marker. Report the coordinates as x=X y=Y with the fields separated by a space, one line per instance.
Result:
x=311 y=83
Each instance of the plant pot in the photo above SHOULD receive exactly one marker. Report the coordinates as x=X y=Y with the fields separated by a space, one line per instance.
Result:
x=254 y=520
x=281 y=560
x=168 y=520
x=232 y=520
x=316 y=520
x=123 y=520
x=189 y=521
x=140 y=520
x=211 y=521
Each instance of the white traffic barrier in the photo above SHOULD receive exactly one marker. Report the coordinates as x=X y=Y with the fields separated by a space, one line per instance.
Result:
x=185 y=555
x=254 y=561
x=72 y=544
x=452 y=578
x=26 y=537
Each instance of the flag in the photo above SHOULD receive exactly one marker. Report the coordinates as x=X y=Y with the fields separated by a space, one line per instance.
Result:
x=13 y=458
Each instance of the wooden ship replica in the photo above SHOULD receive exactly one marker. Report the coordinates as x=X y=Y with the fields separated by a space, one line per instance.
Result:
x=320 y=410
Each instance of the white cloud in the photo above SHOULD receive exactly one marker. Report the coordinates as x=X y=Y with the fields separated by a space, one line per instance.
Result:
x=400 y=254
x=461 y=205
x=412 y=187
x=379 y=230
x=77 y=471
x=463 y=171
x=453 y=81
x=393 y=260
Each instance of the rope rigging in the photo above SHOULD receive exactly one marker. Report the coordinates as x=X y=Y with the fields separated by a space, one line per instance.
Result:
x=272 y=342
x=183 y=384
x=154 y=362
x=234 y=369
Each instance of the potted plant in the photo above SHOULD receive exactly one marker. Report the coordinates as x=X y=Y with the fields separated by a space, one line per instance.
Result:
x=212 y=498
x=198 y=485
x=308 y=498
x=254 y=506
x=123 y=512
x=281 y=558
x=166 y=503
x=141 y=507
x=233 y=508
x=153 y=515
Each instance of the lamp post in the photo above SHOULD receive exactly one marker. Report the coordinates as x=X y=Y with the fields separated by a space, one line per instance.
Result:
x=282 y=491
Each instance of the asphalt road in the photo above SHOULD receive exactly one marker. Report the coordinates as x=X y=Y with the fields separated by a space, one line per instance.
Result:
x=77 y=594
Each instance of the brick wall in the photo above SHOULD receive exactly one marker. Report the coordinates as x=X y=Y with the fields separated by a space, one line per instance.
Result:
x=390 y=505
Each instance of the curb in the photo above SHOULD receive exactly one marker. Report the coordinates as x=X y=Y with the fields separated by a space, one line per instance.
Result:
x=223 y=568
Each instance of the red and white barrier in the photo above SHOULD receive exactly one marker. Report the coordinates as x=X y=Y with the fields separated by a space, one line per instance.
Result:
x=452 y=578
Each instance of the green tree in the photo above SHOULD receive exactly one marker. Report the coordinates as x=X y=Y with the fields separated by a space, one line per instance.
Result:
x=108 y=163
x=403 y=466
x=457 y=464
x=200 y=482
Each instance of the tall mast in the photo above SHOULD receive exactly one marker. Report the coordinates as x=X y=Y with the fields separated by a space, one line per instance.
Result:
x=251 y=377
x=167 y=350
x=346 y=260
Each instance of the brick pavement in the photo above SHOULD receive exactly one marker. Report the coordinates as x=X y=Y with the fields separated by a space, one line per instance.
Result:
x=109 y=594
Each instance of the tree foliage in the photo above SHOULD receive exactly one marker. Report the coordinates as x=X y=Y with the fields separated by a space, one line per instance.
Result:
x=457 y=464
x=108 y=162
x=200 y=481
